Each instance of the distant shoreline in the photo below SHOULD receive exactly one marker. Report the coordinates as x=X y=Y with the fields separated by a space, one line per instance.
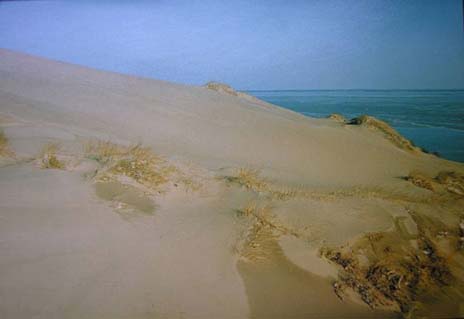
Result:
x=368 y=90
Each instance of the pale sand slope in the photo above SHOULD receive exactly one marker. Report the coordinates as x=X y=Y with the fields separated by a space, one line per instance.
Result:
x=117 y=232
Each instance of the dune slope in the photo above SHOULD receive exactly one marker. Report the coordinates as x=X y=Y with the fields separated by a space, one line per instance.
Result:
x=125 y=197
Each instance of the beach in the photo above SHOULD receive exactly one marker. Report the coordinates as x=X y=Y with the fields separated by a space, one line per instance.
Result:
x=128 y=197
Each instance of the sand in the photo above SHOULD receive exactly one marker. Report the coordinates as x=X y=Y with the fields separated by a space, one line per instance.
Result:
x=125 y=197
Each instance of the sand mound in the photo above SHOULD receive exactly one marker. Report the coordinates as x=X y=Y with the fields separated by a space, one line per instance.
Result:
x=389 y=132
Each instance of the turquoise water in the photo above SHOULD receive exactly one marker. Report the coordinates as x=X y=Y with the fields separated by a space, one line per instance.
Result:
x=433 y=120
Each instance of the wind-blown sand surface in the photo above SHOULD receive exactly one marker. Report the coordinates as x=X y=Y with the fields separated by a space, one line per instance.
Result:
x=123 y=197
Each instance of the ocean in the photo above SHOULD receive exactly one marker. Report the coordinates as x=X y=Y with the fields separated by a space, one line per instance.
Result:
x=432 y=119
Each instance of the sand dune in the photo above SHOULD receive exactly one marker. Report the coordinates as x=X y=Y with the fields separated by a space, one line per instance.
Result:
x=126 y=197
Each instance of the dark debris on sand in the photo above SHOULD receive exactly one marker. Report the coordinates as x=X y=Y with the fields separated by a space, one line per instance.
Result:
x=387 y=272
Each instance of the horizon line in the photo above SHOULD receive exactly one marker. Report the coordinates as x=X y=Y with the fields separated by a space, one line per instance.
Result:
x=269 y=90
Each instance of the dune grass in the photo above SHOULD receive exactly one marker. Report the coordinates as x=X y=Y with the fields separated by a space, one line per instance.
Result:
x=254 y=244
x=445 y=181
x=3 y=140
x=104 y=151
x=4 y=147
x=386 y=270
x=251 y=180
x=264 y=218
x=49 y=157
x=134 y=161
x=452 y=181
x=420 y=180
x=263 y=229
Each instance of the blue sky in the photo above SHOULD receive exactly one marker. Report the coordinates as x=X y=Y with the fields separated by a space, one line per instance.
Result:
x=251 y=44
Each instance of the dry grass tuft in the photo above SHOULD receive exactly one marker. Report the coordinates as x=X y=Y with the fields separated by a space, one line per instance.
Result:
x=104 y=151
x=420 y=180
x=262 y=216
x=250 y=179
x=136 y=162
x=452 y=181
x=258 y=244
x=446 y=181
x=49 y=158
x=3 y=141
x=259 y=236
x=4 y=148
